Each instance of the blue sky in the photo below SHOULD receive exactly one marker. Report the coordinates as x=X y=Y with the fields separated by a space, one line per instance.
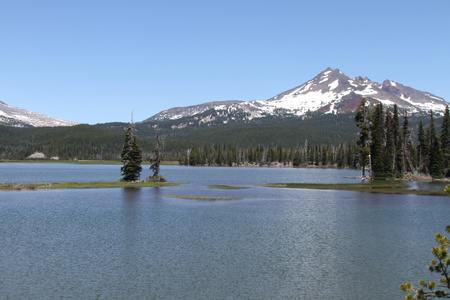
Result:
x=98 y=61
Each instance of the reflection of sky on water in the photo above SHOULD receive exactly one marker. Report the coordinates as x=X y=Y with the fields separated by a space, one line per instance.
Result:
x=137 y=243
x=437 y=185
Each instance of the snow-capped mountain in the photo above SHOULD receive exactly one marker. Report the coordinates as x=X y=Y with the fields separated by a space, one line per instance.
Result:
x=17 y=117
x=329 y=92
x=181 y=112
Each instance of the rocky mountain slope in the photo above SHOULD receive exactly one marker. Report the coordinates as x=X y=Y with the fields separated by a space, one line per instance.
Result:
x=17 y=117
x=330 y=92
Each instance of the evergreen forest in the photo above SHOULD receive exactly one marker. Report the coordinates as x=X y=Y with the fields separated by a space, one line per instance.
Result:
x=385 y=143
x=315 y=140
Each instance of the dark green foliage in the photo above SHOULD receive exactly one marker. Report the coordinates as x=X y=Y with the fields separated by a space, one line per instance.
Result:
x=392 y=154
x=422 y=149
x=435 y=156
x=436 y=160
x=362 y=119
x=68 y=143
x=407 y=147
x=343 y=156
x=380 y=159
x=313 y=140
x=398 y=167
x=81 y=142
x=131 y=157
x=445 y=138
x=389 y=148
x=440 y=264
x=268 y=132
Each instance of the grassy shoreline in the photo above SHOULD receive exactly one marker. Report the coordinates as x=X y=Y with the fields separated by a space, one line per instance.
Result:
x=83 y=162
x=81 y=185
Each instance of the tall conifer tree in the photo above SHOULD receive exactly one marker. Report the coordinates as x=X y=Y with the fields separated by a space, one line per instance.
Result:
x=431 y=138
x=398 y=143
x=435 y=157
x=362 y=119
x=389 y=150
x=378 y=159
x=422 y=149
x=407 y=146
x=445 y=138
x=436 y=160
x=131 y=157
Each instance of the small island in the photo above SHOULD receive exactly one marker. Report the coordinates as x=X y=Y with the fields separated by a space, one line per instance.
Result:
x=82 y=185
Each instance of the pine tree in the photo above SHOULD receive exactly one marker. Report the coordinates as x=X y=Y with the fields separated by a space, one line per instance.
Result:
x=445 y=138
x=399 y=162
x=297 y=158
x=398 y=143
x=131 y=157
x=436 y=160
x=431 y=138
x=407 y=146
x=376 y=148
x=389 y=149
x=323 y=157
x=422 y=150
x=439 y=264
x=435 y=157
x=362 y=121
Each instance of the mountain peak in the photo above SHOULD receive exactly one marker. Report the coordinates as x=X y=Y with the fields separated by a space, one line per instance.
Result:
x=331 y=91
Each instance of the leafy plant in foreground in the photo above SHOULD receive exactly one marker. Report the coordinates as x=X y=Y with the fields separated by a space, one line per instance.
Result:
x=440 y=265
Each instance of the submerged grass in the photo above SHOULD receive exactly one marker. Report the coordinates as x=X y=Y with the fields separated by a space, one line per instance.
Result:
x=226 y=187
x=204 y=198
x=382 y=187
x=82 y=185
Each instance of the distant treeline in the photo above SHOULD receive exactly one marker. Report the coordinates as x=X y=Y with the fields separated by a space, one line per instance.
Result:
x=319 y=140
x=82 y=142
x=105 y=141
x=341 y=156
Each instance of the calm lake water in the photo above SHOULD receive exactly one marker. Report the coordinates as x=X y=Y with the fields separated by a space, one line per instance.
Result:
x=272 y=244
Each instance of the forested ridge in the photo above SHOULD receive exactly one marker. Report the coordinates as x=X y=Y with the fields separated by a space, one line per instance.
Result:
x=81 y=142
x=319 y=140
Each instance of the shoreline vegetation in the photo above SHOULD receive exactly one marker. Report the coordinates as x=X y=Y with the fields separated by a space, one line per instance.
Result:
x=82 y=185
x=83 y=162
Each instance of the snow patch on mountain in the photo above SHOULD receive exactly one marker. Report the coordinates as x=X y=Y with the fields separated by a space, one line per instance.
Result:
x=18 y=117
x=334 y=84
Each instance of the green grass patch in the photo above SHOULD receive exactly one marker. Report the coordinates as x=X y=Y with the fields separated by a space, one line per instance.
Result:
x=82 y=185
x=382 y=187
x=203 y=198
x=226 y=187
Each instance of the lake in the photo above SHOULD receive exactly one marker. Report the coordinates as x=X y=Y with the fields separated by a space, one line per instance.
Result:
x=272 y=244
